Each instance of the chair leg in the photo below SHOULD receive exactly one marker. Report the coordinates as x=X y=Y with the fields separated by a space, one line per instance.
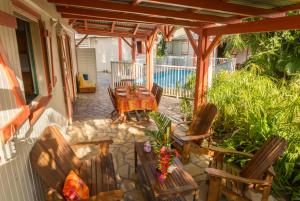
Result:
x=267 y=189
x=185 y=155
x=214 y=189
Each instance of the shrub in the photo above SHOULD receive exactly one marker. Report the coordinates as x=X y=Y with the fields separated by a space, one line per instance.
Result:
x=251 y=109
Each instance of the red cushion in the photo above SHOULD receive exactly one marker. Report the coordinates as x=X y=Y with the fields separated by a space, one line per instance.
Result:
x=75 y=188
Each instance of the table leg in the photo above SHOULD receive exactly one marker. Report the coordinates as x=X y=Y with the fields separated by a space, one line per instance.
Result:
x=135 y=159
x=196 y=195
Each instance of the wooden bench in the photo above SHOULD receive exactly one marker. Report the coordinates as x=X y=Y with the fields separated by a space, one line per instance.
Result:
x=52 y=158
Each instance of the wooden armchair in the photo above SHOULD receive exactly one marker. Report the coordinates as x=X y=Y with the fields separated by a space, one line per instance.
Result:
x=257 y=174
x=52 y=158
x=113 y=101
x=200 y=129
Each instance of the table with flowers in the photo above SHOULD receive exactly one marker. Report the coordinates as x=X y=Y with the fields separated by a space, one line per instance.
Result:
x=134 y=98
x=176 y=185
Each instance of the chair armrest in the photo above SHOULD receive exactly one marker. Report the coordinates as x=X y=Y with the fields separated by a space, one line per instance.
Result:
x=115 y=195
x=228 y=151
x=224 y=175
x=189 y=138
x=98 y=142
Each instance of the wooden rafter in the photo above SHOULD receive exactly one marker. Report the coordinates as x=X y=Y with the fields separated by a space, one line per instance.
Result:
x=192 y=41
x=136 y=29
x=86 y=35
x=113 y=24
x=92 y=31
x=127 y=8
x=126 y=41
x=275 y=24
x=96 y=15
x=136 y=2
x=215 y=43
x=108 y=26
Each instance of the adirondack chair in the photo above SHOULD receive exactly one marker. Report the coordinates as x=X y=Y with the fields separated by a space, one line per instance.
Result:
x=258 y=173
x=183 y=136
x=52 y=158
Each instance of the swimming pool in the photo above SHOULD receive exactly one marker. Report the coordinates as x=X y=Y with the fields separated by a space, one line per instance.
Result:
x=172 y=77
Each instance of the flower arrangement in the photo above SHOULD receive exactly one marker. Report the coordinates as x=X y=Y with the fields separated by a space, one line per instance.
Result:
x=162 y=145
x=133 y=88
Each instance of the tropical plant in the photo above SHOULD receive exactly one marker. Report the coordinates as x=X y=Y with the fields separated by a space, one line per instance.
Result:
x=161 y=47
x=253 y=107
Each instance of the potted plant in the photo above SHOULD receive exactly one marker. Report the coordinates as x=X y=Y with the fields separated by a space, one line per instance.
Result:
x=162 y=145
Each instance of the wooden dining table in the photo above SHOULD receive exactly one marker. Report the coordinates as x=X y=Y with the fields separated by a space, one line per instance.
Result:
x=128 y=100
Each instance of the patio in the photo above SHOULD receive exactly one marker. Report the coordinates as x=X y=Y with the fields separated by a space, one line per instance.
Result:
x=92 y=122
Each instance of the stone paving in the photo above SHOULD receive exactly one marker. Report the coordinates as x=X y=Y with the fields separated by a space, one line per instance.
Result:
x=92 y=121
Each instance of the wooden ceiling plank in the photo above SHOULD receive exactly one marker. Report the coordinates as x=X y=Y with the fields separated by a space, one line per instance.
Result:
x=126 y=16
x=127 y=8
x=216 y=5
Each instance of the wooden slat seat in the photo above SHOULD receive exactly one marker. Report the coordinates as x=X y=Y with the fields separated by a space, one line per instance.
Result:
x=53 y=158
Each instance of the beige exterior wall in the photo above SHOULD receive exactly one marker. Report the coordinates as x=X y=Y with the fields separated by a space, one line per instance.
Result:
x=18 y=182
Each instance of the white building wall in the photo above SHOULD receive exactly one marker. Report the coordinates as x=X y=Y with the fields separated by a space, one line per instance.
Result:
x=107 y=50
x=18 y=181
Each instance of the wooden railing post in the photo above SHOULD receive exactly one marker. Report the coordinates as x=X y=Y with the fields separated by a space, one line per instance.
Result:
x=133 y=50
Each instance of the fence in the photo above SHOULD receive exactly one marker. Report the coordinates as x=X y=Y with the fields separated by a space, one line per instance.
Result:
x=171 y=78
x=127 y=71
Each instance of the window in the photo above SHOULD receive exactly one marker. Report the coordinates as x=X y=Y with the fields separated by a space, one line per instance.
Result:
x=26 y=55
x=139 y=47
x=184 y=48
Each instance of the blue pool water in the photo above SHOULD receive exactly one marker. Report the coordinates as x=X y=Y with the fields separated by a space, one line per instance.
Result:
x=169 y=78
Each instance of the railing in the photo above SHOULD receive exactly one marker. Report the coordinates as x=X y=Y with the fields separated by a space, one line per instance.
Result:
x=127 y=71
x=176 y=60
x=171 y=78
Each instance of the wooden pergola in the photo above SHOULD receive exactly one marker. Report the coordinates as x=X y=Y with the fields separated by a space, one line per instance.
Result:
x=210 y=19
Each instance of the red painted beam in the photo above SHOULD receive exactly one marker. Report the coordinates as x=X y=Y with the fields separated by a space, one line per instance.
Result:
x=192 y=41
x=100 y=32
x=86 y=35
x=127 y=8
x=120 y=51
x=113 y=25
x=136 y=29
x=268 y=25
x=126 y=16
x=7 y=20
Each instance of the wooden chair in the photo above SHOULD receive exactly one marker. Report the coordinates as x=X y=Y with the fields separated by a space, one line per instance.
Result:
x=52 y=158
x=154 y=89
x=258 y=173
x=113 y=101
x=158 y=95
x=200 y=129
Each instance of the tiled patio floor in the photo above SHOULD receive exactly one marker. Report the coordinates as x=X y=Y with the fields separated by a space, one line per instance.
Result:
x=92 y=121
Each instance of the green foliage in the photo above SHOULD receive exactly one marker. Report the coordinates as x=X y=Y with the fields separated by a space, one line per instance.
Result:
x=273 y=53
x=161 y=136
x=253 y=107
x=186 y=108
x=161 y=47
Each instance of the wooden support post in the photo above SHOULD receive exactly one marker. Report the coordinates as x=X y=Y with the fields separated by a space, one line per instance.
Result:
x=120 y=48
x=149 y=57
x=203 y=51
x=133 y=50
